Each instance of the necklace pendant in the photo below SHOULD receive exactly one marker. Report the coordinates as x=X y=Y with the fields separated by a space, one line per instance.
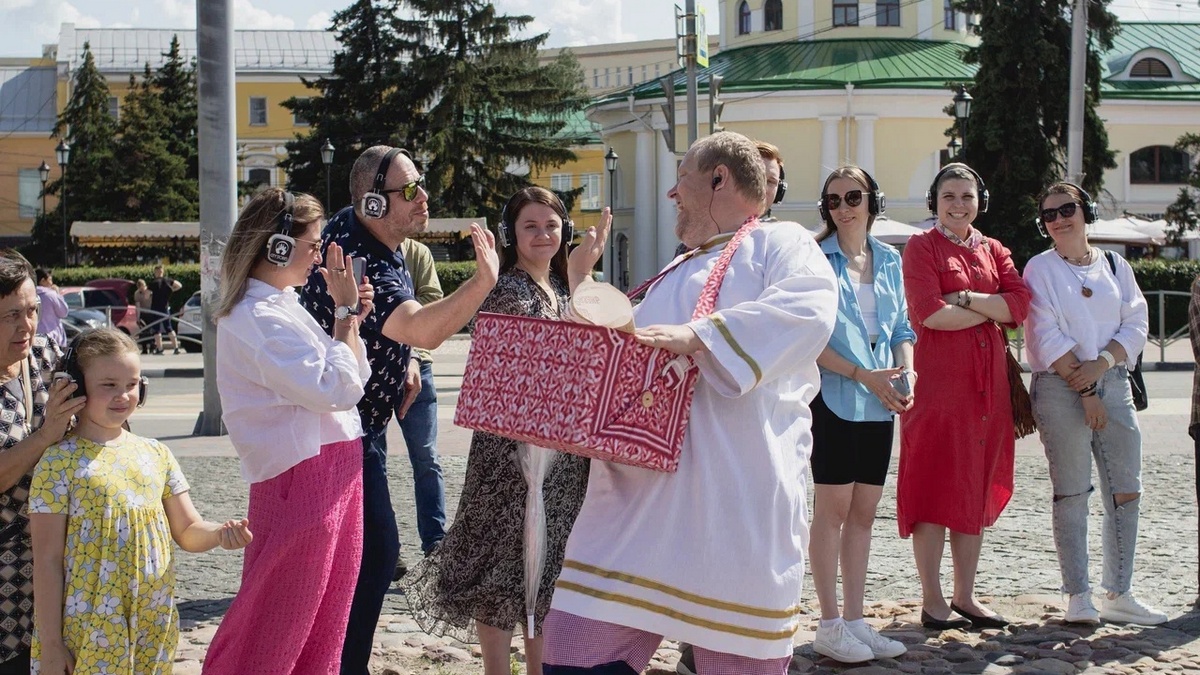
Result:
x=1087 y=292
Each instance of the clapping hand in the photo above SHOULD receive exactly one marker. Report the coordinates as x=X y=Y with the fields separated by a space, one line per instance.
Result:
x=487 y=261
x=583 y=259
x=339 y=277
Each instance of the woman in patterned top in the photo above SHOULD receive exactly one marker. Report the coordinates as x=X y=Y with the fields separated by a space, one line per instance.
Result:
x=104 y=508
x=33 y=416
x=477 y=574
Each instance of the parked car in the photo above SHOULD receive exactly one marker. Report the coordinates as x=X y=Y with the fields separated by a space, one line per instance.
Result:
x=191 y=324
x=78 y=320
x=108 y=301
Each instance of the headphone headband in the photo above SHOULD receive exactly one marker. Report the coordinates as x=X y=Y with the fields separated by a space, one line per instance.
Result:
x=931 y=198
x=381 y=172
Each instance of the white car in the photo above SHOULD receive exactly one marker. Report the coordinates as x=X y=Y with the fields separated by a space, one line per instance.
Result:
x=190 y=324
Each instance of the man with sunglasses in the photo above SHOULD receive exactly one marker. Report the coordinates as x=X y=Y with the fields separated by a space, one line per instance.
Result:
x=389 y=205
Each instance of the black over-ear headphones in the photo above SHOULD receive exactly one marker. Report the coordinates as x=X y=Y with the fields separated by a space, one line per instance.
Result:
x=931 y=197
x=281 y=245
x=1090 y=210
x=876 y=200
x=781 y=189
x=508 y=221
x=69 y=366
x=374 y=203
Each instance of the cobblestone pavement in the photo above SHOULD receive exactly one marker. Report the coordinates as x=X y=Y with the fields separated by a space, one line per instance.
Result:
x=1018 y=573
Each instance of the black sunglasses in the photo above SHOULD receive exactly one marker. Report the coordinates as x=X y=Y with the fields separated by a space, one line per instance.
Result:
x=853 y=198
x=409 y=190
x=1066 y=211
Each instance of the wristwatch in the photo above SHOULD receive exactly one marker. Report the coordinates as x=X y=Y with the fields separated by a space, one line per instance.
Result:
x=344 y=312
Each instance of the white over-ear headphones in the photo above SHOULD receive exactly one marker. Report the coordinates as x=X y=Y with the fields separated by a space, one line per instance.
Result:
x=281 y=245
x=374 y=203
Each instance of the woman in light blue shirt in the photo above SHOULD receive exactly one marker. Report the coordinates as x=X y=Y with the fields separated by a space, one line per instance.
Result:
x=866 y=379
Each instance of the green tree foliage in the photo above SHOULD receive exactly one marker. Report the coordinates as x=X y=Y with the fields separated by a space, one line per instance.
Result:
x=1184 y=214
x=452 y=81
x=175 y=84
x=1017 y=133
x=151 y=178
x=86 y=125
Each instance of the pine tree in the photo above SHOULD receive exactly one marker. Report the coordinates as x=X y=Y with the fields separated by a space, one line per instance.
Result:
x=354 y=106
x=483 y=103
x=86 y=125
x=175 y=83
x=151 y=179
x=1017 y=133
x=453 y=84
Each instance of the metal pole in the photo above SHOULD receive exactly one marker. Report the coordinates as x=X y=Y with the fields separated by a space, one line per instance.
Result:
x=218 y=187
x=43 y=199
x=1078 y=82
x=329 y=188
x=66 y=259
x=691 y=45
x=612 y=246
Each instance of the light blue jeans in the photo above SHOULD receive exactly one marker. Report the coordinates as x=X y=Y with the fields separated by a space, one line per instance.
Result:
x=1070 y=446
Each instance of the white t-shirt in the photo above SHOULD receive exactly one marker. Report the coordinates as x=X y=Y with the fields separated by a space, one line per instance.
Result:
x=1062 y=319
x=867 y=307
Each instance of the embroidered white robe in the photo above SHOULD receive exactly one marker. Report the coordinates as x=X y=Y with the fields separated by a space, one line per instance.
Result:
x=714 y=553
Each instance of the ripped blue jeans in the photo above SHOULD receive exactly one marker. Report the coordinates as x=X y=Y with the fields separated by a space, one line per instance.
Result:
x=1070 y=448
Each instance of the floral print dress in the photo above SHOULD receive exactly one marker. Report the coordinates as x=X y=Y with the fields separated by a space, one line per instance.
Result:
x=119 y=614
x=478 y=571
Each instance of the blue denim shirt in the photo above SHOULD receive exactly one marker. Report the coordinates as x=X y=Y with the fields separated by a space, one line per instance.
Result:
x=848 y=399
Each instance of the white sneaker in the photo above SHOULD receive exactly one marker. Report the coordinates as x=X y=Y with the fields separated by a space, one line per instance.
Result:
x=882 y=647
x=1081 y=610
x=838 y=643
x=1125 y=608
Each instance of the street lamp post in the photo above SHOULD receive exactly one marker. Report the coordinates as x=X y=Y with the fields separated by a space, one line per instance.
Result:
x=610 y=163
x=327 y=160
x=63 y=154
x=44 y=174
x=962 y=112
x=952 y=146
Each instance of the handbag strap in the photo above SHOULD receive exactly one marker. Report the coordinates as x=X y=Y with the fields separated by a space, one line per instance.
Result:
x=712 y=286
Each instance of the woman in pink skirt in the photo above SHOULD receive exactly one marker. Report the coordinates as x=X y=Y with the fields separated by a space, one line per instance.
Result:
x=289 y=392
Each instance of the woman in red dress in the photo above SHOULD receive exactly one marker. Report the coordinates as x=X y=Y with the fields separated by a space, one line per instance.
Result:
x=956 y=443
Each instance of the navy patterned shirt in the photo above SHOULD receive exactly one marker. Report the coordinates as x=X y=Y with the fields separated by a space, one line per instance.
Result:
x=393 y=286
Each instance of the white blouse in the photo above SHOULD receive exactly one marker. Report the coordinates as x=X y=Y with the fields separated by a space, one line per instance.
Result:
x=1061 y=319
x=286 y=386
x=869 y=308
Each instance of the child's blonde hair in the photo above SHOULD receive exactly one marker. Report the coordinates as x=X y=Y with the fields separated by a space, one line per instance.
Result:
x=94 y=344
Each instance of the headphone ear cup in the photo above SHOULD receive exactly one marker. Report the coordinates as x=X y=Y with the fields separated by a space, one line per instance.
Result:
x=1090 y=212
x=503 y=236
x=821 y=209
x=1041 y=227
x=279 y=249
x=374 y=205
x=985 y=198
x=568 y=232
x=143 y=391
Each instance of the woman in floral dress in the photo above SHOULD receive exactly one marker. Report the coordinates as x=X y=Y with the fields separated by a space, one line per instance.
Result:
x=476 y=578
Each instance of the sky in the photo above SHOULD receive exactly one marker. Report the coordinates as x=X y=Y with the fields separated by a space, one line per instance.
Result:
x=25 y=25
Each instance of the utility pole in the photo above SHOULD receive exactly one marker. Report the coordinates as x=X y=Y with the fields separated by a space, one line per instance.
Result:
x=690 y=41
x=218 y=188
x=1079 y=41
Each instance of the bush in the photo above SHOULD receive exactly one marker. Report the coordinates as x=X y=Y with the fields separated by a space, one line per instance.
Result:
x=186 y=274
x=453 y=274
x=1156 y=274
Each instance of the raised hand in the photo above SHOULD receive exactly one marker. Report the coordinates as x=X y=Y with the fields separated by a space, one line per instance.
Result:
x=487 y=261
x=339 y=279
x=583 y=259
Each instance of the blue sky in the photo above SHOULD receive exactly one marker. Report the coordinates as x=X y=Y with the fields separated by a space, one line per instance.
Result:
x=26 y=24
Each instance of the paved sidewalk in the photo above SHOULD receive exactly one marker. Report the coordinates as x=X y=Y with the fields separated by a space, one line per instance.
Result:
x=1018 y=573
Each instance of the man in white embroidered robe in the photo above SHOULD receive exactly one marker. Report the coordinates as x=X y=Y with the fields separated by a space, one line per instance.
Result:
x=713 y=554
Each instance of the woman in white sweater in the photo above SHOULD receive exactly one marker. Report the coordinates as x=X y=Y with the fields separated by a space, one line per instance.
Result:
x=1086 y=326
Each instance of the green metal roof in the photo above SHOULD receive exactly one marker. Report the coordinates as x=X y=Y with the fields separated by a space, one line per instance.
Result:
x=874 y=63
x=1180 y=40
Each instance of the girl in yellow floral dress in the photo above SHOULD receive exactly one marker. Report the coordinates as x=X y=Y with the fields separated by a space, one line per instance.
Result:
x=104 y=507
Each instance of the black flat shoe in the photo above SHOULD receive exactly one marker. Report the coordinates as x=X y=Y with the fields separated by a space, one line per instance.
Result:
x=931 y=623
x=996 y=621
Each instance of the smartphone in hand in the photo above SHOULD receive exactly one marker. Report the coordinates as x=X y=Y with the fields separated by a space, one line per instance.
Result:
x=902 y=384
x=359 y=268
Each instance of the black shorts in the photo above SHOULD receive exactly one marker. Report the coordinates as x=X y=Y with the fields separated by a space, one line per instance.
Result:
x=847 y=452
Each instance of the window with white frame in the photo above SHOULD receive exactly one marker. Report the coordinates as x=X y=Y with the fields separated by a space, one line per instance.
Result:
x=773 y=15
x=29 y=193
x=298 y=119
x=595 y=78
x=258 y=111
x=561 y=182
x=950 y=17
x=114 y=108
x=258 y=177
x=743 y=18
x=1159 y=165
x=1150 y=68
x=589 y=199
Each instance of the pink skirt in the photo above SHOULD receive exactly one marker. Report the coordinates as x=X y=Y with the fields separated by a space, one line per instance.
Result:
x=298 y=576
